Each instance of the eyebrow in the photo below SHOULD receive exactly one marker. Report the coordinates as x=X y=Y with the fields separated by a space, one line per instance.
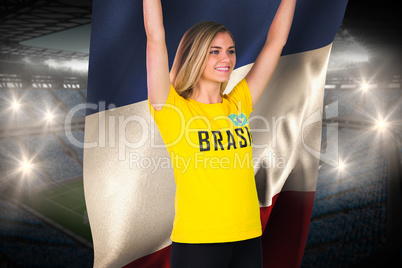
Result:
x=221 y=47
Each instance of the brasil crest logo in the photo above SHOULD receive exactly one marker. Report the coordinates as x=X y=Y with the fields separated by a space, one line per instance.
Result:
x=238 y=119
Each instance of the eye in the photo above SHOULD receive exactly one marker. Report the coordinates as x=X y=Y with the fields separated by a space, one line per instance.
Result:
x=231 y=52
x=214 y=52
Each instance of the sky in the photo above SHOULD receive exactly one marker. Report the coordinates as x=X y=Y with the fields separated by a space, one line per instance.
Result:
x=75 y=39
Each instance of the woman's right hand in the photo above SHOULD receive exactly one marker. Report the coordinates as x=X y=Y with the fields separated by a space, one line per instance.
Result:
x=157 y=58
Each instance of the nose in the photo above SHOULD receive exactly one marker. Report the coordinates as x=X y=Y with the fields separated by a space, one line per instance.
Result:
x=224 y=58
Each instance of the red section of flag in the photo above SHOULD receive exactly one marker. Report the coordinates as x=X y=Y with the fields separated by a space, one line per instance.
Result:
x=284 y=234
x=284 y=237
x=265 y=212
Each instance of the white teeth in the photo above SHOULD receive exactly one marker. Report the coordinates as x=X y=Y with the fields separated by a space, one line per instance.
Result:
x=223 y=69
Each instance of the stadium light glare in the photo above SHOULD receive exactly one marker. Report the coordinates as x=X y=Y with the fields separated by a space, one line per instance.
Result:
x=341 y=166
x=51 y=63
x=26 y=166
x=49 y=116
x=364 y=87
x=78 y=65
x=15 y=105
x=381 y=125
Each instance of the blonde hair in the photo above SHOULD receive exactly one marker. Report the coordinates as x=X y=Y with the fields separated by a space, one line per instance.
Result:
x=192 y=56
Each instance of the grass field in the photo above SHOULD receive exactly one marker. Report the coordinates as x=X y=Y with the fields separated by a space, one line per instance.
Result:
x=65 y=205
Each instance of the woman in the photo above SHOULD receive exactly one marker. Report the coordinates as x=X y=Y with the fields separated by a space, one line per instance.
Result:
x=217 y=220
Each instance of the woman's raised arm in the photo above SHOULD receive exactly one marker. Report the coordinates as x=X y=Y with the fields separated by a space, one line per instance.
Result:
x=265 y=64
x=157 y=58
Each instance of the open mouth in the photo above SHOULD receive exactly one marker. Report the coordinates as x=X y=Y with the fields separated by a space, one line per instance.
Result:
x=222 y=69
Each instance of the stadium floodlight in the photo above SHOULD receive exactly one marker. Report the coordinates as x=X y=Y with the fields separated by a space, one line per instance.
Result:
x=26 y=167
x=341 y=166
x=49 y=116
x=364 y=87
x=15 y=105
x=51 y=63
x=78 y=65
x=381 y=125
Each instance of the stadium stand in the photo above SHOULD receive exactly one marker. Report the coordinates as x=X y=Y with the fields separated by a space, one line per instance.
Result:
x=357 y=211
x=84 y=91
x=8 y=149
x=27 y=241
x=79 y=137
x=348 y=220
x=40 y=102
x=346 y=99
x=54 y=154
x=71 y=98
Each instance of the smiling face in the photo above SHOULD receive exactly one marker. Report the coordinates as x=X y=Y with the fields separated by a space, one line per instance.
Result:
x=221 y=60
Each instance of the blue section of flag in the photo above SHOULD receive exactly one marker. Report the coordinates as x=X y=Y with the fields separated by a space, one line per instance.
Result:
x=117 y=63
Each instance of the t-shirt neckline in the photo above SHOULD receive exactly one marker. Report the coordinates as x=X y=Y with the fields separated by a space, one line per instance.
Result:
x=218 y=103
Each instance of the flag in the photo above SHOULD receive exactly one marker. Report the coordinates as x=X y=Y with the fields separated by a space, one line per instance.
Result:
x=128 y=179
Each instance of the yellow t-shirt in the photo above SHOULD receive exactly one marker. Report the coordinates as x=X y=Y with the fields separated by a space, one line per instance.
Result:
x=210 y=147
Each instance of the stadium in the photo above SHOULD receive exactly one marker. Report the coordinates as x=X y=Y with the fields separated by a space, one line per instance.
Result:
x=357 y=213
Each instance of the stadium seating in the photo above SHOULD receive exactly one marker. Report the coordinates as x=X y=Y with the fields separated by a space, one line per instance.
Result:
x=39 y=102
x=346 y=100
x=84 y=91
x=348 y=218
x=79 y=136
x=378 y=102
x=59 y=165
x=29 y=242
x=8 y=150
x=70 y=98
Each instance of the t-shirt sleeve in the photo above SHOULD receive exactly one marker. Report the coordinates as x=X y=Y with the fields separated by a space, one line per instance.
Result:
x=170 y=109
x=241 y=92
